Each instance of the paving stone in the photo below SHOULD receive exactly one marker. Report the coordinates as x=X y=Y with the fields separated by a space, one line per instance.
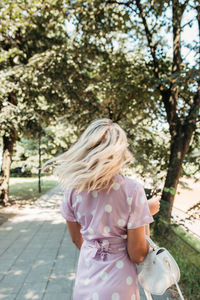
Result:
x=40 y=270
x=7 y=297
x=59 y=285
x=37 y=258
x=58 y=296
x=7 y=288
x=31 y=291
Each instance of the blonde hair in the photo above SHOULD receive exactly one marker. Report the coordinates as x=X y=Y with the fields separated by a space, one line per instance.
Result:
x=93 y=161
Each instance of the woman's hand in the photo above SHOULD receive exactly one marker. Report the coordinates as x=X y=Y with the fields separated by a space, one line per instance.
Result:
x=154 y=204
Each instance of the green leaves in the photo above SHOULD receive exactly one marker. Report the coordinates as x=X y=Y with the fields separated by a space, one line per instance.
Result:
x=101 y=67
x=29 y=30
x=170 y=190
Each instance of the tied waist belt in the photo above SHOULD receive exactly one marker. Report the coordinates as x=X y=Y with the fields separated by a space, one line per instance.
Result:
x=101 y=248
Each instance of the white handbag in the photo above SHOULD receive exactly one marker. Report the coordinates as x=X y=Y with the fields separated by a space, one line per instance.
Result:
x=158 y=271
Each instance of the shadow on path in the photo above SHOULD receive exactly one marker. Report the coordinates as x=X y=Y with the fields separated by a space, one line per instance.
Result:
x=37 y=257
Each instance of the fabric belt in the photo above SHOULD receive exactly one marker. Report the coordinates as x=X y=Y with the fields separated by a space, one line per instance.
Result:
x=101 y=248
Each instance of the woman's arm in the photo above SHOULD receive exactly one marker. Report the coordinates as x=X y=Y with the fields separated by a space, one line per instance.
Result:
x=147 y=230
x=74 y=231
x=154 y=207
x=137 y=245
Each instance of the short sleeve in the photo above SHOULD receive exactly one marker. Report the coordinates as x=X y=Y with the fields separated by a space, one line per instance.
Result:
x=66 y=208
x=140 y=213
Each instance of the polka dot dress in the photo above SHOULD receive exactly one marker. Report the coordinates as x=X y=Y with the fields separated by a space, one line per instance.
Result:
x=104 y=270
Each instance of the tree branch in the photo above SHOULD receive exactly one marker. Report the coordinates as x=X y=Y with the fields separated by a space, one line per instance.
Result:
x=186 y=24
x=149 y=39
x=171 y=101
x=183 y=6
x=176 y=21
x=194 y=111
x=128 y=3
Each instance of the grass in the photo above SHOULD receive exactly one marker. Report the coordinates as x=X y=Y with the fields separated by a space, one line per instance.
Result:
x=23 y=190
x=188 y=238
x=186 y=257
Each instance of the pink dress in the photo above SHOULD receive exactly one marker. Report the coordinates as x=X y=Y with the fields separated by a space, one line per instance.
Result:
x=105 y=271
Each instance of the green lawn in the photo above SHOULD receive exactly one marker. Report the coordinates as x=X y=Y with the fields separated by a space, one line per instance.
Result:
x=24 y=190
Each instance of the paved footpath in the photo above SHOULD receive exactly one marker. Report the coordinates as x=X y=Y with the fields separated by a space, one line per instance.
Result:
x=37 y=258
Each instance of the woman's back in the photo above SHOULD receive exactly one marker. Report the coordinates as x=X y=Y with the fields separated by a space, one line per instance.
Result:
x=106 y=214
x=104 y=217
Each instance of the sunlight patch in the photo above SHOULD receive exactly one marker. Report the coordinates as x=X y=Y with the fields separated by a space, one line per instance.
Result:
x=31 y=295
x=72 y=276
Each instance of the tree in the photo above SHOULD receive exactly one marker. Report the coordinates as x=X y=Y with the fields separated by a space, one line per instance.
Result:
x=175 y=80
x=55 y=138
x=26 y=29
x=180 y=100
x=113 y=63
x=42 y=75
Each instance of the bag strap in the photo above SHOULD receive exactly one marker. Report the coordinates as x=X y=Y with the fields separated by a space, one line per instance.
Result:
x=148 y=295
x=177 y=286
x=151 y=243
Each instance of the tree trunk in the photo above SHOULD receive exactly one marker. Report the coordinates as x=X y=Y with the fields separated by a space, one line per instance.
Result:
x=178 y=149
x=181 y=129
x=8 y=144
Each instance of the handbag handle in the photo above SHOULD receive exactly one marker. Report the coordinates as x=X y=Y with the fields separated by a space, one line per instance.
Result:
x=151 y=243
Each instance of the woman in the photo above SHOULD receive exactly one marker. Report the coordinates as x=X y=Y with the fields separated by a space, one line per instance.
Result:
x=107 y=214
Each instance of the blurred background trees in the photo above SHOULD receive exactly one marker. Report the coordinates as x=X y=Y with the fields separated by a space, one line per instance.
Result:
x=65 y=63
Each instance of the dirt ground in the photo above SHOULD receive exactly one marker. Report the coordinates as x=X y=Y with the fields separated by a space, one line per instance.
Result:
x=187 y=198
x=186 y=209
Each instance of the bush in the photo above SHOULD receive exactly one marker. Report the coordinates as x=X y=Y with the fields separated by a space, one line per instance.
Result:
x=20 y=172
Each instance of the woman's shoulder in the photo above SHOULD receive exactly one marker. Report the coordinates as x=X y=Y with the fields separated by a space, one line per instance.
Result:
x=129 y=182
x=69 y=194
